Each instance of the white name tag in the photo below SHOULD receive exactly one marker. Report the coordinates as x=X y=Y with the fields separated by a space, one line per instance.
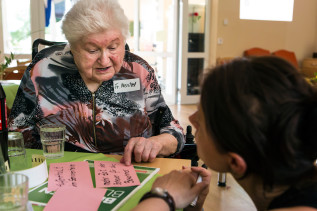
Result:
x=127 y=85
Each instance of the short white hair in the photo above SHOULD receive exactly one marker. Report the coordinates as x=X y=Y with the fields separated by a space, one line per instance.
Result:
x=94 y=16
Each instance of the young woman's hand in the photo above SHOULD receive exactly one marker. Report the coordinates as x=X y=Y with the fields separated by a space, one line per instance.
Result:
x=206 y=176
x=182 y=186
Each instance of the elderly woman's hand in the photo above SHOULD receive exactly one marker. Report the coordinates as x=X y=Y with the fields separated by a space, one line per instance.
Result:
x=147 y=149
x=143 y=149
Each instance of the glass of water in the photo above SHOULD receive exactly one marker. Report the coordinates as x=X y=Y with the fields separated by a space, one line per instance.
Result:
x=16 y=151
x=53 y=140
x=13 y=192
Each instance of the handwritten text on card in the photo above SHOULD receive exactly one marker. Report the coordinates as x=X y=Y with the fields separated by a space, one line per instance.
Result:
x=69 y=174
x=114 y=174
x=127 y=85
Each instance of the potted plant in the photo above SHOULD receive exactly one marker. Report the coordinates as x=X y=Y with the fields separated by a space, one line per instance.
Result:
x=313 y=80
x=6 y=63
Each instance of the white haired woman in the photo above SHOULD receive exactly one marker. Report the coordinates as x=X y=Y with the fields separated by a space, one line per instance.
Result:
x=108 y=98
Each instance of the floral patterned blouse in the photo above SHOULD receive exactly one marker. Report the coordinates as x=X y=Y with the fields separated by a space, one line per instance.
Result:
x=52 y=91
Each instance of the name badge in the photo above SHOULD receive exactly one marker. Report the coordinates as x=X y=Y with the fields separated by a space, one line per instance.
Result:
x=128 y=85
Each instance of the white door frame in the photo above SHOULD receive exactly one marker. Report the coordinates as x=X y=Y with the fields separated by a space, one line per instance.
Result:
x=185 y=55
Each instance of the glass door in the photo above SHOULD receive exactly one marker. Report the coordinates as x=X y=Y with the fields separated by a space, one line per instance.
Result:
x=194 y=43
x=153 y=29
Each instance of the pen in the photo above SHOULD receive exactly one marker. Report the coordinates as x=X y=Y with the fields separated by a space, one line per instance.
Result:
x=193 y=204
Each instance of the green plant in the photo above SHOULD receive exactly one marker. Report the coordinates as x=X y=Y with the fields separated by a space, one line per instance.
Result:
x=194 y=17
x=313 y=80
x=7 y=62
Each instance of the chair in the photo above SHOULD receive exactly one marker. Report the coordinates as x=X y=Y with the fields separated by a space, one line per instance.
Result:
x=287 y=55
x=24 y=62
x=256 y=52
x=190 y=150
x=14 y=73
x=38 y=42
x=223 y=60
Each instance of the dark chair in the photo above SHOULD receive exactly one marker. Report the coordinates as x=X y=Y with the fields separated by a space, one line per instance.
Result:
x=38 y=42
x=190 y=150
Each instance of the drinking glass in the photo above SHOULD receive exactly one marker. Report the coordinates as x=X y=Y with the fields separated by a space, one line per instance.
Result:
x=13 y=192
x=53 y=140
x=16 y=151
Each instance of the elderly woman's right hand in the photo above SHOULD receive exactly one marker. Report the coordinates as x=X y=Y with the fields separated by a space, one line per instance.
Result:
x=142 y=149
x=181 y=185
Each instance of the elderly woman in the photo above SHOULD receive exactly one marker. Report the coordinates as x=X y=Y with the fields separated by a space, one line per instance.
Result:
x=108 y=98
x=257 y=120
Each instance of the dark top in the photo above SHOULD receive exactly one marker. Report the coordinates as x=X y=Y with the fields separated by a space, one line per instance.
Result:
x=306 y=196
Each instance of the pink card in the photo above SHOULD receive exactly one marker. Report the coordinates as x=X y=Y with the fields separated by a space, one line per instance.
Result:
x=79 y=199
x=115 y=174
x=69 y=174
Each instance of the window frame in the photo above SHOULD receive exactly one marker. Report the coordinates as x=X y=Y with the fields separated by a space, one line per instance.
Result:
x=261 y=13
x=37 y=22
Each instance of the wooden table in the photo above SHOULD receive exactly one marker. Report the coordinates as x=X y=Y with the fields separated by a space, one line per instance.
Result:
x=229 y=198
x=165 y=164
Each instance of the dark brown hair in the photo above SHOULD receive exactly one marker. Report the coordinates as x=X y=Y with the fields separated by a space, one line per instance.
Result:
x=264 y=110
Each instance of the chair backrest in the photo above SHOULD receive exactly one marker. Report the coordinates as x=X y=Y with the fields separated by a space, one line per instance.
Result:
x=14 y=73
x=24 y=62
x=256 y=52
x=223 y=60
x=38 y=42
x=287 y=55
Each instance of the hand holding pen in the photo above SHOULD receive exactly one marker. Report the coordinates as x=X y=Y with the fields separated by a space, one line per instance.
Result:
x=203 y=175
x=182 y=186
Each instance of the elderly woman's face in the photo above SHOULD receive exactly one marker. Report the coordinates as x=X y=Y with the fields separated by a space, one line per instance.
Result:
x=99 y=56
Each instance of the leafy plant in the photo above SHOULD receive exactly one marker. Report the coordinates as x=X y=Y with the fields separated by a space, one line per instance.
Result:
x=313 y=80
x=7 y=62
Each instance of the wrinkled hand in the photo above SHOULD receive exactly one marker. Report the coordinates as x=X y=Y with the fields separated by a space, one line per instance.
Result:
x=182 y=186
x=143 y=149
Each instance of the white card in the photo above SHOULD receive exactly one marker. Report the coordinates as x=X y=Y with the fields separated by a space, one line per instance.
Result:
x=127 y=85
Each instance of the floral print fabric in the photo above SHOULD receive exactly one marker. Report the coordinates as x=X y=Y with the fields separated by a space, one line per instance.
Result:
x=52 y=91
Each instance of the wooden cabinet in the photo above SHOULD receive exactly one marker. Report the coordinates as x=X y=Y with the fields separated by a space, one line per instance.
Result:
x=309 y=67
